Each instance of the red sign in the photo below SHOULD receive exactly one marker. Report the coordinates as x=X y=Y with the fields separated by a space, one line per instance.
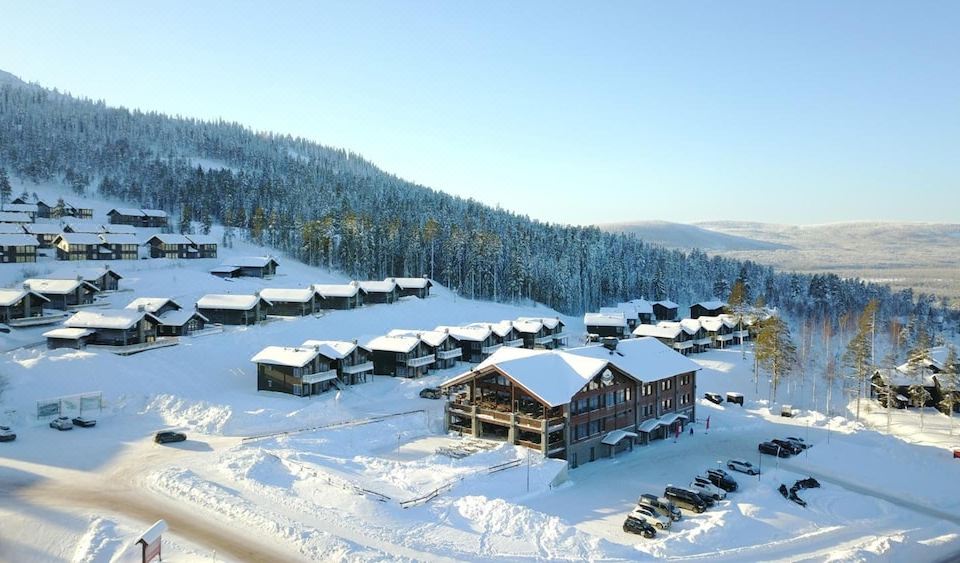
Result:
x=151 y=550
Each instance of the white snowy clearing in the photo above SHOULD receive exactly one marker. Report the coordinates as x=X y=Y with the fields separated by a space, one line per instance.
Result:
x=366 y=482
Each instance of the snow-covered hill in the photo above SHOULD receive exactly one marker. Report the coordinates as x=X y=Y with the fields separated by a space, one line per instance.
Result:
x=679 y=235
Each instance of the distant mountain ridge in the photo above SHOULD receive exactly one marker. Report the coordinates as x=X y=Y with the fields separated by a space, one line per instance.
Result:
x=684 y=236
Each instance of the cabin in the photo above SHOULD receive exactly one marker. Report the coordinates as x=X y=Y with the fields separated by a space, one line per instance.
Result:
x=63 y=293
x=413 y=287
x=354 y=362
x=146 y=218
x=43 y=209
x=579 y=405
x=549 y=335
x=75 y=338
x=607 y=325
x=400 y=356
x=339 y=296
x=707 y=309
x=12 y=228
x=104 y=278
x=174 y=319
x=71 y=210
x=719 y=329
x=699 y=338
x=254 y=266
x=233 y=309
x=170 y=245
x=18 y=248
x=87 y=227
x=291 y=302
x=120 y=246
x=900 y=379
x=156 y=306
x=445 y=349
x=18 y=304
x=644 y=310
x=80 y=246
x=29 y=208
x=671 y=334
x=627 y=311
x=17 y=217
x=665 y=310
x=298 y=370
x=205 y=245
x=504 y=333
x=226 y=271
x=45 y=233
x=116 y=327
x=476 y=342
x=379 y=291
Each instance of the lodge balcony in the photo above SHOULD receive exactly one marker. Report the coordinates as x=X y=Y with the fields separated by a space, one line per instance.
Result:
x=449 y=354
x=517 y=343
x=702 y=341
x=320 y=376
x=543 y=340
x=561 y=336
x=741 y=334
x=420 y=361
x=685 y=345
x=136 y=348
x=490 y=349
x=357 y=368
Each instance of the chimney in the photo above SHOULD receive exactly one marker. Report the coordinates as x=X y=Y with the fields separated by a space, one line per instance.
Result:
x=141 y=308
x=355 y=342
x=26 y=286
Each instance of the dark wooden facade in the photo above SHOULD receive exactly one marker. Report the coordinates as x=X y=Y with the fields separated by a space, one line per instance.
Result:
x=698 y=310
x=20 y=304
x=18 y=248
x=402 y=364
x=664 y=313
x=230 y=316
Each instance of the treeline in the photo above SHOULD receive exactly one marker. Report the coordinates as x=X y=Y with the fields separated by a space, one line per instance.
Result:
x=331 y=207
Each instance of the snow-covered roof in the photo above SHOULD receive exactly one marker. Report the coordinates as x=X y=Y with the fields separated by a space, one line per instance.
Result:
x=224 y=269
x=645 y=359
x=21 y=207
x=250 y=261
x=84 y=274
x=657 y=331
x=475 y=333
x=18 y=240
x=549 y=322
x=15 y=217
x=128 y=211
x=410 y=283
x=180 y=317
x=401 y=344
x=67 y=333
x=293 y=295
x=626 y=309
x=42 y=229
x=692 y=326
x=336 y=290
x=230 y=301
x=170 y=238
x=432 y=338
x=501 y=329
x=14 y=228
x=85 y=239
x=900 y=378
x=605 y=319
x=527 y=326
x=57 y=287
x=119 y=238
x=666 y=303
x=712 y=324
x=12 y=296
x=296 y=357
x=333 y=349
x=550 y=375
x=711 y=304
x=643 y=306
x=152 y=304
x=202 y=239
x=120 y=319
x=378 y=286
x=154 y=213
x=119 y=229
x=84 y=227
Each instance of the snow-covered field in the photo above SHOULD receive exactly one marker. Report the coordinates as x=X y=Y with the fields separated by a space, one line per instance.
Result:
x=357 y=491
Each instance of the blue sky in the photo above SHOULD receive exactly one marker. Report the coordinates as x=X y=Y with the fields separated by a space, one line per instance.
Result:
x=802 y=112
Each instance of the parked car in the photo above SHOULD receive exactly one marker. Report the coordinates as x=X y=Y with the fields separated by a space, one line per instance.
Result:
x=662 y=505
x=431 y=393
x=703 y=485
x=167 y=436
x=61 y=423
x=794 y=449
x=713 y=398
x=7 y=435
x=736 y=398
x=4 y=328
x=742 y=466
x=707 y=498
x=84 y=421
x=651 y=515
x=636 y=526
x=772 y=449
x=722 y=479
x=685 y=498
x=798 y=441
x=786 y=410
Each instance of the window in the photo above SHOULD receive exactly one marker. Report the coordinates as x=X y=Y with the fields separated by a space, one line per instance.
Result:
x=684 y=380
x=609 y=399
x=648 y=390
x=667 y=404
x=666 y=385
x=594 y=427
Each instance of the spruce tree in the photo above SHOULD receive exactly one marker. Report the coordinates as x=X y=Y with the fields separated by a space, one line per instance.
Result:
x=6 y=190
x=775 y=352
x=859 y=353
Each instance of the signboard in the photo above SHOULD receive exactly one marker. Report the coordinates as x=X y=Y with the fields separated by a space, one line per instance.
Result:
x=70 y=404
x=90 y=402
x=48 y=408
x=149 y=542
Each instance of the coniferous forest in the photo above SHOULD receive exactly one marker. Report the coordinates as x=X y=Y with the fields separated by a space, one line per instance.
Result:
x=331 y=207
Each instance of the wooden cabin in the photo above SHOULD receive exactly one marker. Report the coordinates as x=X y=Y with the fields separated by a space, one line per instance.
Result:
x=644 y=310
x=75 y=338
x=607 y=325
x=63 y=293
x=627 y=311
x=18 y=304
x=85 y=227
x=170 y=245
x=226 y=271
x=354 y=362
x=379 y=291
x=669 y=333
x=254 y=266
x=45 y=233
x=413 y=287
x=476 y=342
x=665 y=310
x=291 y=302
x=205 y=245
x=299 y=370
x=445 y=349
x=16 y=248
x=29 y=208
x=69 y=209
x=80 y=246
x=43 y=209
x=118 y=229
x=154 y=305
x=579 y=405
x=550 y=334
x=17 y=217
x=104 y=278
x=120 y=246
x=504 y=333
x=400 y=356
x=707 y=309
x=719 y=329
x=154 y=218
x=233 y=309
x=699 y=338
x=146 y=218
x=116 y=327
x=339 y=296
x=174 y=319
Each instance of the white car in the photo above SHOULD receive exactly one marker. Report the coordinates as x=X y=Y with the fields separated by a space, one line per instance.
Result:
x=703 y=485
x=61 y=423
x=742 y=466
x=652 y=516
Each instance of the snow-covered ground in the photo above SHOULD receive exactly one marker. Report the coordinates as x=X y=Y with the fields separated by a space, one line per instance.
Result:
x=358 y=490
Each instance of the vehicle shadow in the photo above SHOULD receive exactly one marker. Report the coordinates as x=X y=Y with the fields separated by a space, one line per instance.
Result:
x=189 y=445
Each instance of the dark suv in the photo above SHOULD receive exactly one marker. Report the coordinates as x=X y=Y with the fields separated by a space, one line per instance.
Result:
x=636 y=526
x=685 y=498
x=787 y=445
x=772 y=449
x=722 y=479
x=167 y=436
